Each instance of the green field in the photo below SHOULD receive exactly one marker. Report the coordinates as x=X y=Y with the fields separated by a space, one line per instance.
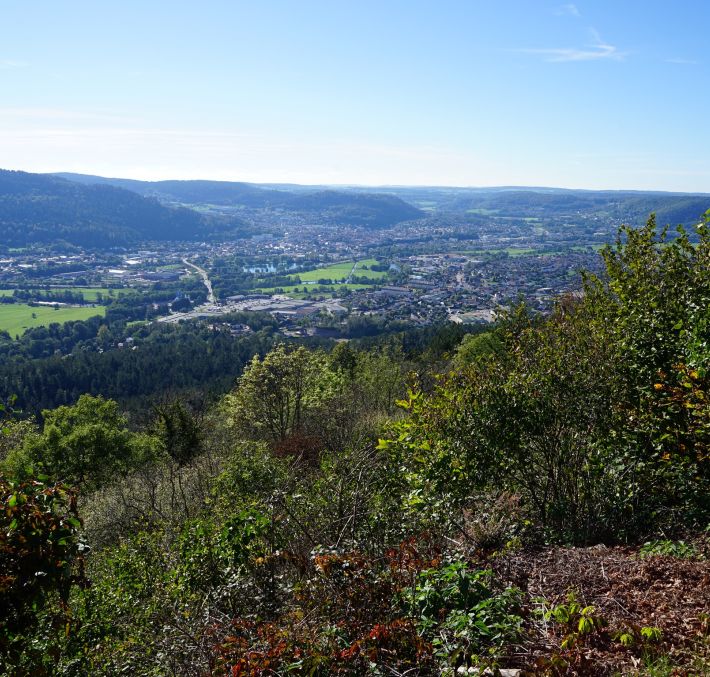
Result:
x=374 y=274
x=338 y=271
x=16 y=317
x=595 y=247
x=335 y=272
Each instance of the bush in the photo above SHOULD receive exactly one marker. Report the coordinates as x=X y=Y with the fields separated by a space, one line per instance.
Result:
x=598 y=416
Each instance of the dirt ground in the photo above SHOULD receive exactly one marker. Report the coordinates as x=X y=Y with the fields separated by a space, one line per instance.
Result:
x=629 y=592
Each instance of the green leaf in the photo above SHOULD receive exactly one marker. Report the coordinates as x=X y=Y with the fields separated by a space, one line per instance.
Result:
x=626 y=639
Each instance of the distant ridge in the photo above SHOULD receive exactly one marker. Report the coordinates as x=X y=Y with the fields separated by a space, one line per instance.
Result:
x=387 y=205
x=94 y=211
x=37 y=208
x=354 y=207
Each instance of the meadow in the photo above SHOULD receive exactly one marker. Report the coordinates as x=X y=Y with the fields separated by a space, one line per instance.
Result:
x=16 y=317
x=338 y=271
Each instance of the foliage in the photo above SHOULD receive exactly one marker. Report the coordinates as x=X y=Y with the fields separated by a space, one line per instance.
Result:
x=656 y=318
x=282 y=395
x=462 y=614
x=477 y=347
x=596 y=416
x=178 y=431
x=666 y=548
x=271 y=534
x=41 y=558
x=578 y=621
x=85 y=444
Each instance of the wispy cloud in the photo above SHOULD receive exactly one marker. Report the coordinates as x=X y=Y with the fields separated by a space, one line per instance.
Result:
x=57 y=114
x=7 y=64
x=597 y=50
x=686 y=62
x=568 y=9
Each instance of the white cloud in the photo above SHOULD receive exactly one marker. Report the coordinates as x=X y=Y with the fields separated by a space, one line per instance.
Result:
x=25 y=116
x=568 y=9
x=7 y=64
x=678 y=60
x=596 y=51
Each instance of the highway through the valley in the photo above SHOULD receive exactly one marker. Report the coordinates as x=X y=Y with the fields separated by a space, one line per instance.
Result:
x=205 y=278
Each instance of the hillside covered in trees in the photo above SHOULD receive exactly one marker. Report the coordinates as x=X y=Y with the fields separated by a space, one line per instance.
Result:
x=35 y=208
x=535 y=500
x=382 y=207
x=353 y=207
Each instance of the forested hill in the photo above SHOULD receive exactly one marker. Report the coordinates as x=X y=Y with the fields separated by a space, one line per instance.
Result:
x=36 y=208
x=627 y=206
x=387 y=205
x=370 y=210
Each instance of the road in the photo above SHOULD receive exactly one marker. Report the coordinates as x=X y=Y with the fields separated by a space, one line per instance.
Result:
x=352 y=272
x=205 y=278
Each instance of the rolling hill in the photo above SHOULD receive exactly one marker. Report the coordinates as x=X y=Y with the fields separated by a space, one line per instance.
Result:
x=37 y=208
x=349 y=207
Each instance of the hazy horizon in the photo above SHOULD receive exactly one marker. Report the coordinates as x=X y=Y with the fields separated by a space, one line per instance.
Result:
x=378 y=185
x=596 y=96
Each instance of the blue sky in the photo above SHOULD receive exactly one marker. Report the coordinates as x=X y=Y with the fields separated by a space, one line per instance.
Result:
x=592 y=94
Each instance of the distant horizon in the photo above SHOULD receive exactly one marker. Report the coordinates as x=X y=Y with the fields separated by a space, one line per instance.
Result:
x=372 y=185
x=586 y=96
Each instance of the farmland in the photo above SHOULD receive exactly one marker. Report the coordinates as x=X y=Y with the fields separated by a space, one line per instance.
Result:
x=340 y=271
x=16 y=317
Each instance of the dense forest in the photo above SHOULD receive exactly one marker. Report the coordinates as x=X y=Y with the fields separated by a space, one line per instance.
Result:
x=41 y=209
x=358 y=208
x=379 y=207
x=133 y=363
x=534 y=499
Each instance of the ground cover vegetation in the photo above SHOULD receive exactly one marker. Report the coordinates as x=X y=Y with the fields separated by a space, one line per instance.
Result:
x=532 y=498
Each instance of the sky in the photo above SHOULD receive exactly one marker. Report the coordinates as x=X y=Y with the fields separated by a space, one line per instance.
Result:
x=591 y=94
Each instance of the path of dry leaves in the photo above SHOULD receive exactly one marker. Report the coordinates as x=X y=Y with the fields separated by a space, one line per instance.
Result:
x=626 y=590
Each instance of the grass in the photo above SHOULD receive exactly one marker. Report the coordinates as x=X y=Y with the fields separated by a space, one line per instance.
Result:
x=372 y=274
x=16 y=317
x=335 y=272
x=338 y=271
